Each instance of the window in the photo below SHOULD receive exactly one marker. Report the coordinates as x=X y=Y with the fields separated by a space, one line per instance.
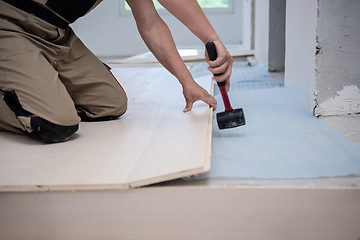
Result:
x=217 y=5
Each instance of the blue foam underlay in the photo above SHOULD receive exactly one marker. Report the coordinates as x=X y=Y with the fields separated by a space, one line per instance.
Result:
x=281 y=138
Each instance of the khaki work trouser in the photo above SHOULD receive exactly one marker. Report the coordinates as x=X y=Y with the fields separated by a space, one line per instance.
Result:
x=47 y=72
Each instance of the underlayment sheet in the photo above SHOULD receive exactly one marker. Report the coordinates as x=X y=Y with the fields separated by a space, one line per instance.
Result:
x=281 y=138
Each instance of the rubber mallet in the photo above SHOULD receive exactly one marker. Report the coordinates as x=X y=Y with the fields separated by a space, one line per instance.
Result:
x=230 y=118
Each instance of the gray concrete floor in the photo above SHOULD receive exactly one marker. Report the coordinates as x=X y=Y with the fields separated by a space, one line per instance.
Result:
x=348 y=125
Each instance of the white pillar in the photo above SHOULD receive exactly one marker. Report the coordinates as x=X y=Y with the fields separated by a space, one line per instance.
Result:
x=301 y=18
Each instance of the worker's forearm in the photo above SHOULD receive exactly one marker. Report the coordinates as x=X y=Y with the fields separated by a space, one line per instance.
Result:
x=191 y=15
x=160 y=42
x=157 y=37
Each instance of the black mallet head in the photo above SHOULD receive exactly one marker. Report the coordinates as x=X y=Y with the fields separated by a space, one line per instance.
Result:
x=230 y=119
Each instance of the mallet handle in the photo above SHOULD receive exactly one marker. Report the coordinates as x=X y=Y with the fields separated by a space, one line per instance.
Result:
x=211 y=49
x=225 y=97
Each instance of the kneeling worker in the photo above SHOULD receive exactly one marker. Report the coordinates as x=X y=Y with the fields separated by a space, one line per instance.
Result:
x=49 y=80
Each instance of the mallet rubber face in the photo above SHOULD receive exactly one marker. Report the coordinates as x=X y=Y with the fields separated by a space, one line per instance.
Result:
x=230 y=119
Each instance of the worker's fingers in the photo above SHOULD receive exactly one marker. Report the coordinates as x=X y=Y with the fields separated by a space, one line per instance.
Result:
x=221 y=61
x=223 y=76
x=188 y=107
x=222 y=66
x=207 y=99
x=210 y=100
x=218 y=70
x=202 y=95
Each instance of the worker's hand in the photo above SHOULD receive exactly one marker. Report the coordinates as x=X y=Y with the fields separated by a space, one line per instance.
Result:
x=222 y=65
x=193 y=92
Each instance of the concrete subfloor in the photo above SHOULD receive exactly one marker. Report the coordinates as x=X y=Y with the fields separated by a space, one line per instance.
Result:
x=349 y=125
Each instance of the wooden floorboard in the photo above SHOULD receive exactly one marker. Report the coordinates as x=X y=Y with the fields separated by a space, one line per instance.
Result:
x=154 y=141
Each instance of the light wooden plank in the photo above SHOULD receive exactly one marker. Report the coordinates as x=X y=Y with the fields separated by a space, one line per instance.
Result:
x=154 y=141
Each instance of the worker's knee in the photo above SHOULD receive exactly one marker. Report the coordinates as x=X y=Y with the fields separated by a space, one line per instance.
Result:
x=44 y=130
x=118 y=98
x=119 y=106
x=48 y=132
x=106 y=115
x=109 y=110
x=122 y=106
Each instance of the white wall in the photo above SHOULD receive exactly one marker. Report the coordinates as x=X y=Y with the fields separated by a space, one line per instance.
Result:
x=301 y=20
x=246 y=24
x=262 y=30
x=108 y=32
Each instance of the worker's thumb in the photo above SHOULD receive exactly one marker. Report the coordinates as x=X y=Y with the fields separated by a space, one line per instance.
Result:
x=188 y=107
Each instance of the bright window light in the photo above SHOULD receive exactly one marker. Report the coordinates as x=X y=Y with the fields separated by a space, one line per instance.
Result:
x=205 y=4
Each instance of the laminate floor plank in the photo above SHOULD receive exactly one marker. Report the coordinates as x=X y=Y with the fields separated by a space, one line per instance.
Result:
x=153 y=141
